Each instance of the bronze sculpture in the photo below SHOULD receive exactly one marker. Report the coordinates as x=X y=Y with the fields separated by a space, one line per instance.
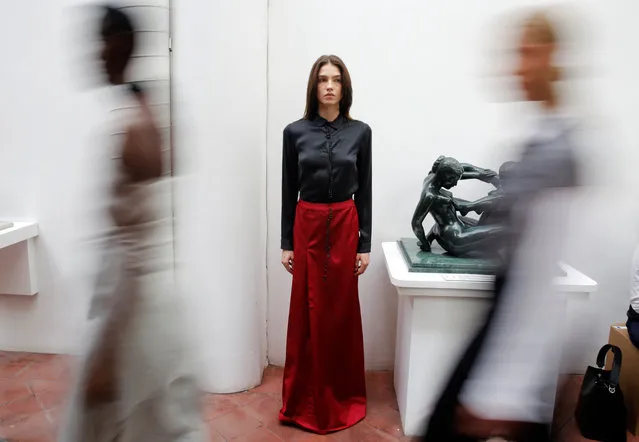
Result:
x=458 y=234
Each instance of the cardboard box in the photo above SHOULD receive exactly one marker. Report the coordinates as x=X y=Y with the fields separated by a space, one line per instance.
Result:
x=629 y=373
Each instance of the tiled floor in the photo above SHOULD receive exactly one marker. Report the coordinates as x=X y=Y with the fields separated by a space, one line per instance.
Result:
x=33 y=389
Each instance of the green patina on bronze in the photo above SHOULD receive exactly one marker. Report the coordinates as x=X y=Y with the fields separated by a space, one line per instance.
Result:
x=438 y=261
x=456 y=233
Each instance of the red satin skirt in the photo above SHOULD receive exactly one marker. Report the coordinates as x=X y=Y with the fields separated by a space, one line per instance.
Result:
x=324 y=387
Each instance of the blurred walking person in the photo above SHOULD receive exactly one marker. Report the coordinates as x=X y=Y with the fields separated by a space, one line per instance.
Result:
x=503 y=385
x=137 y=381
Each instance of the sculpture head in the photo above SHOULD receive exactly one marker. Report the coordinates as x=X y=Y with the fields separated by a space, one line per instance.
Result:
x=506 y=170
x=448 y=172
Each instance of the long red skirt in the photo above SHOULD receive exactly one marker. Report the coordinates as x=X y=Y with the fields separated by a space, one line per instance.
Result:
x=324 y=387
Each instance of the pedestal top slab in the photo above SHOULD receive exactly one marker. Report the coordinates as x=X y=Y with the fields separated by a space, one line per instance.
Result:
x=400 y=276
x=440 y=262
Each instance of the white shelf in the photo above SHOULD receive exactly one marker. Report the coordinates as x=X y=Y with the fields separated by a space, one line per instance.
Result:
x=18 y=263
x=21 y=231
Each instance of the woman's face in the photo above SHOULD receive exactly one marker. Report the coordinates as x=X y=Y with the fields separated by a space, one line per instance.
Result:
x=534 y=66
x=449 y=179
x=329 y=85
x=109 y=61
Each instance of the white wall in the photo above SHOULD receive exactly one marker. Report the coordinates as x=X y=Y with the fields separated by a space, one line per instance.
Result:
x=57 y=135
x=220 y=124
x=419 y=72
x=49 y=169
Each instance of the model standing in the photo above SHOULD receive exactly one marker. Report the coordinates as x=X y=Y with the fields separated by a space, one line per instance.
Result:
x=326 y=241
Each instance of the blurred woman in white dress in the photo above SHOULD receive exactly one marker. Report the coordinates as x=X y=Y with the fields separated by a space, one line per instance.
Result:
x=137 y=381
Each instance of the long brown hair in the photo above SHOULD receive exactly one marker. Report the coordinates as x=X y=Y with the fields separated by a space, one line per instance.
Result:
x=312 y=102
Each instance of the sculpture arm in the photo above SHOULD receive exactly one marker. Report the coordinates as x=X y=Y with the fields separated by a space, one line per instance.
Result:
x=479 y=173
x=421 y=211
x=477 y=206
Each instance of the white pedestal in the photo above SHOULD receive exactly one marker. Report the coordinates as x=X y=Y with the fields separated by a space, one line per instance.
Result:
x=17 y=259
x=436 y=319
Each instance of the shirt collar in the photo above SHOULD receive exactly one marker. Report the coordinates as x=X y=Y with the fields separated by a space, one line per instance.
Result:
x=322 y=122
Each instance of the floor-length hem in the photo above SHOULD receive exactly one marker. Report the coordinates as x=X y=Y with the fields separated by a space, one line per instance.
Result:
x=324 y=386
x=309 y=427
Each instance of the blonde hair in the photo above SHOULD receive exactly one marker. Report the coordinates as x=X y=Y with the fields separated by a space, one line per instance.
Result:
x=542 y=30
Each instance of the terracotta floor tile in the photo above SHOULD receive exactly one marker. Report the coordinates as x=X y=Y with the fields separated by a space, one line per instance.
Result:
x=32 y=427
x=11 y=390
x=214 y=436
x=290 y=433
x=235 y=424
x=10 y=368
x=51 y=394
x=56 y=415
x=19 y=410
x=386 y=420
x=259 y=435
x=265 y=409
x=565 y=405
x=271 y=381
x=217 y=405
x=360 y=432
x=246 y=397
x=379 y=437
x=56 y=368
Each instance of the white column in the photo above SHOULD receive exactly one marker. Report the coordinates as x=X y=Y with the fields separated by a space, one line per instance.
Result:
x=219 y=113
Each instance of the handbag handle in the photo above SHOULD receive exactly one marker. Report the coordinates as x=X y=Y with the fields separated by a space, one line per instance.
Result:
x=616 y=364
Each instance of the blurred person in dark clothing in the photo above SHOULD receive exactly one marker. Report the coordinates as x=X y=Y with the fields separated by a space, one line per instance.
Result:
x=503 y=385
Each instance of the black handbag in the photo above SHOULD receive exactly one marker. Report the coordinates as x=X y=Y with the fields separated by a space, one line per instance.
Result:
x=601 y=412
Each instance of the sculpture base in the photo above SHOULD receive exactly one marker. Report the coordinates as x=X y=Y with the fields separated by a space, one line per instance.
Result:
x=434 y=262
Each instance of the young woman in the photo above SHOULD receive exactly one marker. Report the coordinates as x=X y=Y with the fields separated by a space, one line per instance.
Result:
x=137 y=381
x=503 y=386
x=326 y=241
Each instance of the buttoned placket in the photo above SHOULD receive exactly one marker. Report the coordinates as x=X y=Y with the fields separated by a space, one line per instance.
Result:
x=329 y=149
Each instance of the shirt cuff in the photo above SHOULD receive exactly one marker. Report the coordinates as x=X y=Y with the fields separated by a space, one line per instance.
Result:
x=364 y=248
x=287 y=245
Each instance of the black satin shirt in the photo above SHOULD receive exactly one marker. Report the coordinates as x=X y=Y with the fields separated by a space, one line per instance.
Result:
x=327 y=162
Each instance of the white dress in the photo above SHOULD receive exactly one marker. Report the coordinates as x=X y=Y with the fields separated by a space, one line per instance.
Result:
x=159 y=399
